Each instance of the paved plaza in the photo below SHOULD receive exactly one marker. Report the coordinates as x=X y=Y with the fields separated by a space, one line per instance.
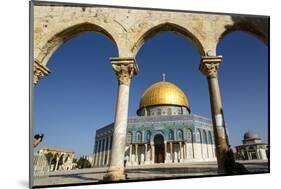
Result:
x=158 y=171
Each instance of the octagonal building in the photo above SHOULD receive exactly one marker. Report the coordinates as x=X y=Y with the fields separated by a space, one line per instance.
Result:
x=164 y=131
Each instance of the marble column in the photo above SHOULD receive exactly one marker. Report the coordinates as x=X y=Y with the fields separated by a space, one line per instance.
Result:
x=57 y=162
x=108 y=151
x=101 y=151
x=181 y=153
x=250 y=155
x=209 y=66
x=97 y=154
x=130 y=154
x=104 y=152
x=258 y=154
x=145 y=153
x=171 y=152
x=137 y=155
x=125 y=69
x=186 y=151
x=152 y=153
x=165 y=148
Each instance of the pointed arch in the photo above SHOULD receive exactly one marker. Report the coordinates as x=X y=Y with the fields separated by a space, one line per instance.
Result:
x=167 y=26
x=260 y=30
x=66 y=34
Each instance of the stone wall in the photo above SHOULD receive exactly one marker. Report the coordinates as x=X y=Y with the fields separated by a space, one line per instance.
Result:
x=40 y=165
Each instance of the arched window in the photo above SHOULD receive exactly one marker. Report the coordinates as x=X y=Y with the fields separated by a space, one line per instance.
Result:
x=180 y=134
x=210 y=137
x=171 y=134
x=198 y=135
x=158 y=111
x=139 y=137
x=147 y=136
x=129 y=137
x=169 y=111
x=189 y=135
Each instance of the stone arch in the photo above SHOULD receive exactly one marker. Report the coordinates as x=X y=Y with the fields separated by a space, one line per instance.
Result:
x=163 y=27
x=66 y=34
x=258 y=31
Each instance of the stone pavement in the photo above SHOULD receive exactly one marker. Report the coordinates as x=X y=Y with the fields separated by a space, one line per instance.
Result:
x=147 y=172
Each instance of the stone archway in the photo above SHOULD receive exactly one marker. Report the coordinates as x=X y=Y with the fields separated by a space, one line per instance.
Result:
x=257 y=27
x=168 y=27
x=54 y=24
x=159 y=149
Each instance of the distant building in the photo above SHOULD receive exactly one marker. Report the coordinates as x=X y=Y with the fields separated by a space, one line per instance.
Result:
x=58 y=158
x=252 y=148
x=165 y=131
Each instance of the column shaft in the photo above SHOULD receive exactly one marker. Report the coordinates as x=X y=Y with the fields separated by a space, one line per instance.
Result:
x=217 y=117
x=104 y=152
x=165 y=156
x=130 y=155
x=137 y=154
x=153 y=153
x=171 y=151
x=119 y=134
x=145 y=152
x=209 y=66
x=108 y=151
x=124 y=69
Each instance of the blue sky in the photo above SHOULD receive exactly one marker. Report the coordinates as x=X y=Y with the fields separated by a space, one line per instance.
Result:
x=79 y=95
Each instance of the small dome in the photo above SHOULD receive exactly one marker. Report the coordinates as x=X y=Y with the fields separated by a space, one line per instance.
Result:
x=163 y=93
x=250 y=135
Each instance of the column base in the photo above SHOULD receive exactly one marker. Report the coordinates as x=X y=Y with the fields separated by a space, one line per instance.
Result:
x=114 y=174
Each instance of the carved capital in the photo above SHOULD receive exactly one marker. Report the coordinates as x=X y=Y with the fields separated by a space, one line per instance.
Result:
x=125 y=69
x=39 y=71
x=209 y=65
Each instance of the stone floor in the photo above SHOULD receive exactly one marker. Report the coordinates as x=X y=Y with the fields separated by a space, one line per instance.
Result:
x=147 y=172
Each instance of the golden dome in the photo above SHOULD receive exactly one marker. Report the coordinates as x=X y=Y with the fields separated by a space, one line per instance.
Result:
x=163 y=93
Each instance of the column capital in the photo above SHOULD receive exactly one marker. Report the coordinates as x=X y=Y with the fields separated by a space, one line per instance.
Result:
x=125 y=68
x=39 y=71
x=209 y=65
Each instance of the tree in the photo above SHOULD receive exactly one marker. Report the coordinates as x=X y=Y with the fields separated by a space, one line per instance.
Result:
x=83 y=163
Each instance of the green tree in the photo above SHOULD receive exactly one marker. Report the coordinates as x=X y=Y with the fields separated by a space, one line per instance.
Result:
x=83 y=163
